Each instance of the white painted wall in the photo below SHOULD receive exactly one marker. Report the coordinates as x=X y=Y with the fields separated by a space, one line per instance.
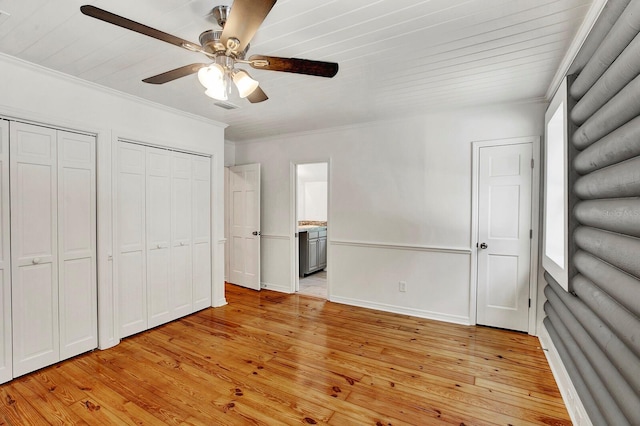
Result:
x=229 y=153
x=312 y=191
x=314 y=201
x=28 y=92
x=229 y=160
x=399 y=207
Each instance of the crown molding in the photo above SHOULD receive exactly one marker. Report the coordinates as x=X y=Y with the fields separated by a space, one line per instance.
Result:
x=104 y=89
x=576 y=44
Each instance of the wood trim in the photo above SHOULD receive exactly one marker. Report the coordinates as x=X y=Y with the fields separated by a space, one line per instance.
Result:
x=396 y=246
x=585 y=28
x=437 y=316
x=275 y=237
x=569 y=394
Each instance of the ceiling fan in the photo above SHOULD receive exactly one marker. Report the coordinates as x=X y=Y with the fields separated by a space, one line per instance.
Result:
x=226 y=48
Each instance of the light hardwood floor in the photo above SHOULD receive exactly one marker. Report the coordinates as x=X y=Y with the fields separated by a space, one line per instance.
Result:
x=269 y=359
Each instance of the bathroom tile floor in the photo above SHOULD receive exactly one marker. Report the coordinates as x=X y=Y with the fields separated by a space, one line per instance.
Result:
x=314 y=284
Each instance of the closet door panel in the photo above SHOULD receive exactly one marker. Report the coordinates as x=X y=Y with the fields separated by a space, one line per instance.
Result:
x=201 y=232
x=77 y=244
x=158 y=210
x=181 y=238
x=33 y=246
x=6 y=368
x=130 y=235
x=35 y=318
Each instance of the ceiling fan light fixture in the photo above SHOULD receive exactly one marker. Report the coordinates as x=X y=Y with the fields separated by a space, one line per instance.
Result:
x=245 y=84
x=212 y=76
x=219 y=93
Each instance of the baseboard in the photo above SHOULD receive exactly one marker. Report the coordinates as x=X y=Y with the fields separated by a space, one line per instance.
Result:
x=219 y=302
x=437 y=316
x=275 y=287
x=570 y=397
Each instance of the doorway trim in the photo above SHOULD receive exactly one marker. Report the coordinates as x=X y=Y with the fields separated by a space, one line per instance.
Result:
x=535 y=224
x=293 y=222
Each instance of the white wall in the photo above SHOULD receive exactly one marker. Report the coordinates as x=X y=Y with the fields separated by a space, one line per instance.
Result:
x=28 y=92
x=312 y=191
x=314 y=200
x=229 y=160
x=229 y=153
x=399 y=205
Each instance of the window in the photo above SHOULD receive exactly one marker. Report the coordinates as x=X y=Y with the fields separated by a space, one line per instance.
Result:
x=555 y=238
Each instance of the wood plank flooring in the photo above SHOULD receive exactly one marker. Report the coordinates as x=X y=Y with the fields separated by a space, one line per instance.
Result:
x=270 y=359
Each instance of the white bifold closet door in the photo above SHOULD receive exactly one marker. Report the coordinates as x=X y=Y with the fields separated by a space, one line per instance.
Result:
x=158 y=211
x=130 y=228
x=164 y=262
x=53 y=245
x=201 y=214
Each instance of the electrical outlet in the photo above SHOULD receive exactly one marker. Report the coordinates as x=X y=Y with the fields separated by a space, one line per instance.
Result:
x=402 y=286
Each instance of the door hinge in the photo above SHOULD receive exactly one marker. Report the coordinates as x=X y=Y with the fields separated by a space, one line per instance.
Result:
x=531 y=234
x=532 y=162
x=529 y=302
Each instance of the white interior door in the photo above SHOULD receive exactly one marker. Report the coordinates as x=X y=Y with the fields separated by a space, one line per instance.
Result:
x=130 y=228
x=504 y=223
x=158 y=210
x=244 y=215
x=34 y=251
x=201 y=198
x=77 y=244
x=181 y=235
x=6 y=360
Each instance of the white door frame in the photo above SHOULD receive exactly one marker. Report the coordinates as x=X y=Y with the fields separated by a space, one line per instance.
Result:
x=293 y=222
x=535 y=219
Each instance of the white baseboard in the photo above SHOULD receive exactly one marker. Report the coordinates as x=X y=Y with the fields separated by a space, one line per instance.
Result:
x=570 y=397
x=219 y=302
x=275 y=287
x=402 y=310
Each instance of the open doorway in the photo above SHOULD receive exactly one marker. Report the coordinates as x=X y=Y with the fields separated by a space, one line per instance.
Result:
x=311 y=224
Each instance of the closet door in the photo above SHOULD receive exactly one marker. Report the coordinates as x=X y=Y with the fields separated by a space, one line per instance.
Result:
x=201 y=167
x=34 y=262
x=6 y=370
x=130 y=217
x=181 y=235
x=77 y=244
x=160 y=293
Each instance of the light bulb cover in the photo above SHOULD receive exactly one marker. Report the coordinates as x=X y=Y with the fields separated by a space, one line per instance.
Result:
x=219 y=93
x=245 y=84
x=212 y=76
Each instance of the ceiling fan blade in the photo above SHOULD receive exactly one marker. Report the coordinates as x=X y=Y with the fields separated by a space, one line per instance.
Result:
x=168 y=76
x=244 y=20
x=257 y=96
x=118 y=20
x=294 y=65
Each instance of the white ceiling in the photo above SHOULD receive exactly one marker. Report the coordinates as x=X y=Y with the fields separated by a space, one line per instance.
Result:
x=397 y=57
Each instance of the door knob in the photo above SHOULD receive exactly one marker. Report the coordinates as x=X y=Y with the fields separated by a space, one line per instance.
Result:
x=256 y=232
x=483 y=245
x=35 y=260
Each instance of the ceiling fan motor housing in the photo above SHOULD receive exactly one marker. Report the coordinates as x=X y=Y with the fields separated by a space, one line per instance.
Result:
x=210 y=41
